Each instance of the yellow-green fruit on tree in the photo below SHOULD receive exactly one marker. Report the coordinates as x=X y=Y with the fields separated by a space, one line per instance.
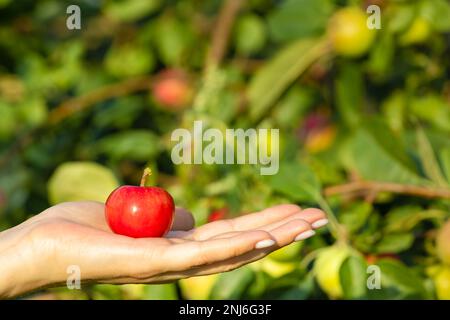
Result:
x=326 y=269
x=443 y=243
x=198 y=288
x=441 y=279
x=349 y=33
x=277 y=269
x=132 y=291
x=287 y=253
x=418 y=32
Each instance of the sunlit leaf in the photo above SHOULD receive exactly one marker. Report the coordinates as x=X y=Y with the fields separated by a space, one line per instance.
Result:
x=350 y=93
x=374 y=162
x=166 y=291
x=130 y=10
x=313 y=14
x=231 y=285
x=353 y=278
x=138 y=145
x=445 y=160
x=394 y=243
x=279 y=72
x=428 y=158
x=398 y=282
x=296 y=181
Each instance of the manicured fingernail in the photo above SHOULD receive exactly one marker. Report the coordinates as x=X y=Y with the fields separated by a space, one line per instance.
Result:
x=305 y=235
x=319 y=223
x=264 y=244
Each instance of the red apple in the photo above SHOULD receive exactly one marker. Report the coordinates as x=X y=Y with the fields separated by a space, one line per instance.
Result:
x=172 y=89
x=140 y=212
x=218 y=214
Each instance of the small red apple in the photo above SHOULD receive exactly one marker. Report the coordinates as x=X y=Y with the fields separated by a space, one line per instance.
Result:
x=140 y=212
x=172 y=89
x=218 y=214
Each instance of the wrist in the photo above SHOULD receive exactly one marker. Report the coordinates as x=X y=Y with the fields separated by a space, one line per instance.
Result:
x=19 y=262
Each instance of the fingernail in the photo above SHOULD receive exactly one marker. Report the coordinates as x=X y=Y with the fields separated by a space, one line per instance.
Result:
x=264 y=244
x=319 y=223
x=305 y=235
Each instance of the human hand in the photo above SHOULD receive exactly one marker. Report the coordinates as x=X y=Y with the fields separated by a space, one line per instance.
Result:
x=37 y=253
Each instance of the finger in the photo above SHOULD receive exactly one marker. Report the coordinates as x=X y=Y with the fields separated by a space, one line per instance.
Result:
x=286 y=228
x=197 y=253
x=246 y=222
x=227 y=265
x=310 y=216
x=183 y=220
x=285 y=234
x=290 y=232
x=314 y=217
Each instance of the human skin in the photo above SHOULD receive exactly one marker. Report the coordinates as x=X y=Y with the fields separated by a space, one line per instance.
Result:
x=37 y=253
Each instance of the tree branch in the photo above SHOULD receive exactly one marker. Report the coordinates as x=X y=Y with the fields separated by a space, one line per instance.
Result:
x=222 y=31
x=71 y=106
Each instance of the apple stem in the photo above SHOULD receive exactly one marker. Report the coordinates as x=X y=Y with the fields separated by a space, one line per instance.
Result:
x=145 y=175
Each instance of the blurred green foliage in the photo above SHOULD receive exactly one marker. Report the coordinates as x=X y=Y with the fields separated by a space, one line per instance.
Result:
x=72 y=97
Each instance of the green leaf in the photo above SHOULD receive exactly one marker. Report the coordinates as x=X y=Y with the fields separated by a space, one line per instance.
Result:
x=382 y=55
x=106 y=292
x=130 y=10
x=276 y=75
x=301 y=291
x=232 y=285
x=356 y=216
x=373 y=161
x=296 y=181
x=160 y=292
x=402 y=17
x=428 y=159
x=394 y=243
x=349 y=93
x=129 y=60
x=388 y=140
x=353 y=277
x=313 y=14
x=445 y=160
x=258 y=286
x=405 y=218
x=75 y=181
x=121 y=114
x=33 y=111
x=8 y=121
x=398 y=282
x=437 y=12
x=292 y=106
x=139 y=145
x=394 y=110
x=432 y=108
x=173 y=37
x=4 y=3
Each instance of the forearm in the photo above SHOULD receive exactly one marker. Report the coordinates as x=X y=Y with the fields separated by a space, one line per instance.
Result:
x=18 y=264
